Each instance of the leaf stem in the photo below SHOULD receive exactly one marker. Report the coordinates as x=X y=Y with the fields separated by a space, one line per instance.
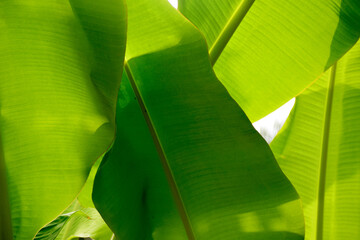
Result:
x=169 y=174
x=229 y=29
x=5 y=217
x=324 y=156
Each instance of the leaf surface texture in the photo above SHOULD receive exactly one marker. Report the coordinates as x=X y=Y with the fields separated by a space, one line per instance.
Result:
x=177 y=125
x=319 y=150
x=60 y=69
x=278 y=48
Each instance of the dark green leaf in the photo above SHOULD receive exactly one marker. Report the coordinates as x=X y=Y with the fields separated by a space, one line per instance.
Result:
x=222 y=174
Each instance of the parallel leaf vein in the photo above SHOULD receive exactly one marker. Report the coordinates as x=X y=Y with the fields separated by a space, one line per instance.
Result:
x=229 y=29
x=169 y=174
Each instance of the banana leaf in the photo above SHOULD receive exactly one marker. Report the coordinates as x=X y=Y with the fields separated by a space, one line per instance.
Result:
x=60 y=69
x=80 y=219
x=319 y=150
x=186 y=163
x=266 y=52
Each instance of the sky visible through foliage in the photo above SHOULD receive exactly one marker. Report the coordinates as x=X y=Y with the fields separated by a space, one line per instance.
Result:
x=224 y=151
x=270 y=125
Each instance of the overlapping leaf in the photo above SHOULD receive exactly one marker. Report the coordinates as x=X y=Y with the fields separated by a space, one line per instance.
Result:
x=222 y=175
x=60 y=67
x=80 y=219
x=277 y=49
x=82 y=222
x=319 y=151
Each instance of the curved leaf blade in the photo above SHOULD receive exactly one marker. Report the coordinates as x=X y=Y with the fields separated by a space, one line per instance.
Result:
x=319 y=151
x=277 y=50
x=130 y=189
x=224 y=175
x=57 y=100
x=81 y=223
x=80 y=219
x=86 y=223
x=53 y=229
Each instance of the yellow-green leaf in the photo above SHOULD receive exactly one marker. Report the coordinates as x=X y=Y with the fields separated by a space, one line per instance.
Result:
x=178 y=126
x=319 y=151
x=266 y=52
x=60 y=68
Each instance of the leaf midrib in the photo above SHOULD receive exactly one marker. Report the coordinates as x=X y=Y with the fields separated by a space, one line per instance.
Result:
x=168 y=172
x=229 y=29
x=324 y=155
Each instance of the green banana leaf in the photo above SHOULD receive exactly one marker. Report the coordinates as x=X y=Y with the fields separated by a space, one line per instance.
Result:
x=266 y=52
x=85 y=196
x=53 y=229
x=85 y=223
x=80 y=219
x=81 y=223
x=187 y=163
x=60 y=69
x=319 y=150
